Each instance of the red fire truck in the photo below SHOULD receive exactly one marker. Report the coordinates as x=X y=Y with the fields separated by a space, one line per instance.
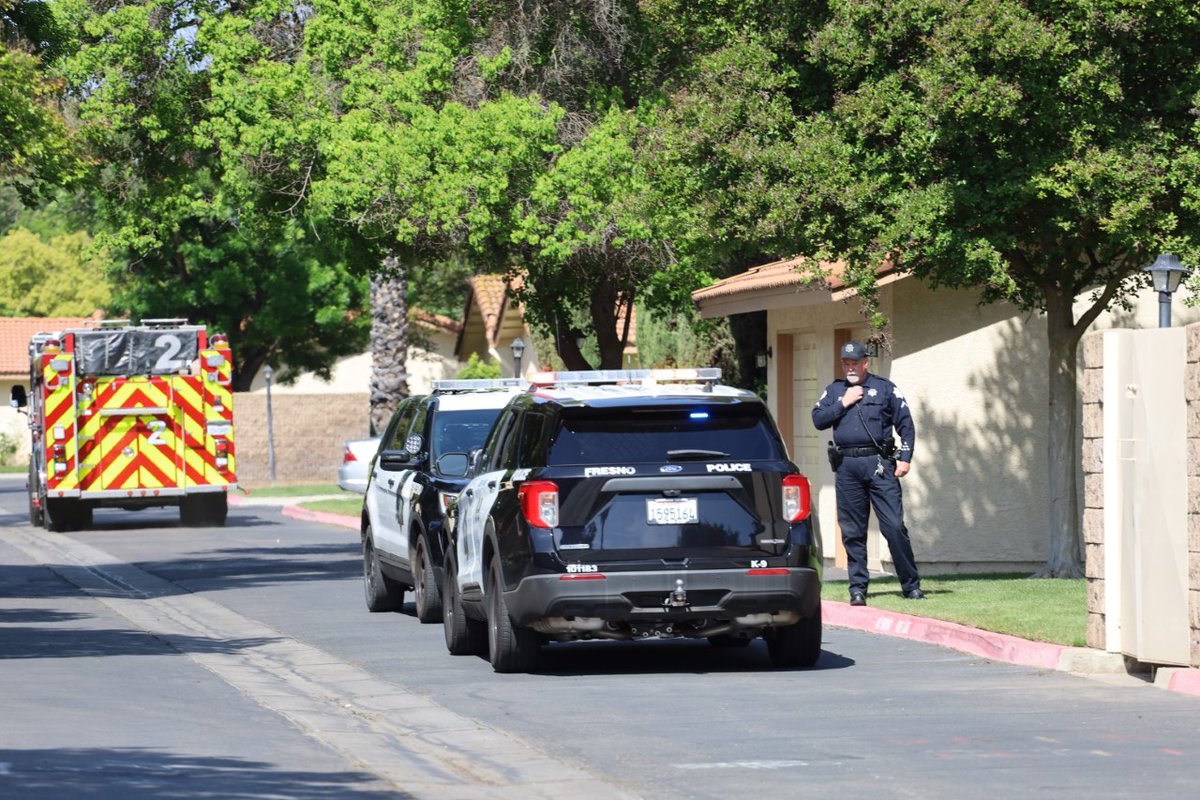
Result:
x=129 y=416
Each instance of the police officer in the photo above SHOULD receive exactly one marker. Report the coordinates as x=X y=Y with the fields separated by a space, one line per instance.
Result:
x=863 y=409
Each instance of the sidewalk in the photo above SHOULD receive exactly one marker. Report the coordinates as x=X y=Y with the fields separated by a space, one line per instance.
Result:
x=1085 y=661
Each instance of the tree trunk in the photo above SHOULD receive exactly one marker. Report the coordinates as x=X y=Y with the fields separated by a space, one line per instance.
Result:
x=606 y=315
x=389 y=342
x=1062 y=441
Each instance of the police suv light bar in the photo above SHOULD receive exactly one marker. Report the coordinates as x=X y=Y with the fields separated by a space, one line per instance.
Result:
x=647 y=376
x=472 y=384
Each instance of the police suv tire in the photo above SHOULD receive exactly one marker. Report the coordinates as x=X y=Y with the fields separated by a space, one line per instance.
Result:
x=511 y=647
x=427 y=596
x=381 y=592
x=796 y=645
x=464 y=636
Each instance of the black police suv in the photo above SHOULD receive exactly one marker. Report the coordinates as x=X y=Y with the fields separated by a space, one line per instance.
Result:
x=631 y=505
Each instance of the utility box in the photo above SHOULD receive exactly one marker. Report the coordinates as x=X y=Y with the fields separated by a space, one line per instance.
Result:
x=1145 y=495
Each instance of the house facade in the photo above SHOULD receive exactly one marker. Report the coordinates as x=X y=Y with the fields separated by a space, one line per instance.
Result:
x=976 y=379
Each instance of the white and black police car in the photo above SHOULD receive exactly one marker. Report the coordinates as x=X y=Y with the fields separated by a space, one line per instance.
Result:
x=629 y=505
x=420 y=466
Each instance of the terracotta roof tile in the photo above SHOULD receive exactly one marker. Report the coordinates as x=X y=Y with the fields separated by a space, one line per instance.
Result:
x=435 y=320
x=15 y=333
x=781 y=275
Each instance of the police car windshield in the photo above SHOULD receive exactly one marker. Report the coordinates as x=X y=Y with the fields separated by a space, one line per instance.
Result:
x=655 y=435
x=461 y=431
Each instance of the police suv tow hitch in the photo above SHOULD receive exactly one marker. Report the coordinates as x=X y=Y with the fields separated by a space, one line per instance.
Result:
x=677 y=598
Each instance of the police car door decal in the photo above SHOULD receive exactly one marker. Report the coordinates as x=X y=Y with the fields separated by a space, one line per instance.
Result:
x=476 y=506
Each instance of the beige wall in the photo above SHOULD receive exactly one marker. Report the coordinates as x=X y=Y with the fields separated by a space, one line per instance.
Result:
x=308 y=432
x=975 y=377
x=13 y=423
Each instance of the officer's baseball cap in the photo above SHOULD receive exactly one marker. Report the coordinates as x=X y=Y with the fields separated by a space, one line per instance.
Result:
x=854 y=350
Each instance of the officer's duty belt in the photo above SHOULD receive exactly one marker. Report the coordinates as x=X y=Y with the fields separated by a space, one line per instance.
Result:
x=870 y=450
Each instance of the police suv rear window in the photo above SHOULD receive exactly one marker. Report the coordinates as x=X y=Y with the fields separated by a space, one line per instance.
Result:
x=663 y=434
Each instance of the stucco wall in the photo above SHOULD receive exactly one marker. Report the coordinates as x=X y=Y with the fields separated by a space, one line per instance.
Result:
x=976 y=378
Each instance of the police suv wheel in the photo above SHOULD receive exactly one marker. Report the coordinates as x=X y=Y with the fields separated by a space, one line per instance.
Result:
x=382 y=594
x=796 y=645
x=464 y=636
x=426 y=595
x=511 y=647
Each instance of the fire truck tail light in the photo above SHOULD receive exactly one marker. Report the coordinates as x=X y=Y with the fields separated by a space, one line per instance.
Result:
x=797 y=497
x=60 y=467
x=539 y=503
x=60 y=364
x=60 y=433
x=214 y=361
x=60 y=451
x=222 y=462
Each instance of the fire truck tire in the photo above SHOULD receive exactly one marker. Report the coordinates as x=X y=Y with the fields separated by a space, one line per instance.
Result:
x=66 y=514
x=204 y=510
x=36 y=518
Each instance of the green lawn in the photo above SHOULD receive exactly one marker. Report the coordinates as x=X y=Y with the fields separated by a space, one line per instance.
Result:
x=299 y=490
x=1044 y=610
x=352 y=505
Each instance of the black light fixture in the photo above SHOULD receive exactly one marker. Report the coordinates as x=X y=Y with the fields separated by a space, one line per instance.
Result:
x=1167 y=272
x=760 y=359
x=518 y=350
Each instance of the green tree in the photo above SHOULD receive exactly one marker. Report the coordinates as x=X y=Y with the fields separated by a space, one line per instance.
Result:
x=1035 y=151
x=61 y=277
x=194 y=238
x=36 y=148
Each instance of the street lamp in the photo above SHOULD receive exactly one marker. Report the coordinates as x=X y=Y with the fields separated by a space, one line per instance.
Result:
x=267 y=372
x=518 y=350
x=1167 y=272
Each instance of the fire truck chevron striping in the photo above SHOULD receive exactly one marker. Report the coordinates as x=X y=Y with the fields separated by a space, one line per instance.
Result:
x=130 y=416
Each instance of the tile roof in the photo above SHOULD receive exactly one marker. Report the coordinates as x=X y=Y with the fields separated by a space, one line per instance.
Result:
x=433 y=320
x=15 y=333
x=785 y=274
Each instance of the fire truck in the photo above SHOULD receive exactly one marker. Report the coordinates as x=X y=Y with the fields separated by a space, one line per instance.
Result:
x=129 y=416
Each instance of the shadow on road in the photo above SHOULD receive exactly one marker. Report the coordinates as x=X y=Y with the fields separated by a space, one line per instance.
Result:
x=25 y=641
x=568 y=659
x=52 y=774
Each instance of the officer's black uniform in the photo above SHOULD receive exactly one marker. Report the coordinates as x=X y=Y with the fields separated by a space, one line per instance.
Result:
x=866 y=476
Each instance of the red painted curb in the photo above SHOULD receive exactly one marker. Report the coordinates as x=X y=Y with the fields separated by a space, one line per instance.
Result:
x=1186 y=681
x=996 y=646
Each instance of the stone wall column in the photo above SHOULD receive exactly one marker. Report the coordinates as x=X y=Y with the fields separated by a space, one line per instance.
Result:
x=1192 y=395
x=1092 y=395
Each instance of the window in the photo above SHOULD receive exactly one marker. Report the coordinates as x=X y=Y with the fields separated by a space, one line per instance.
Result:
x=397 y=431
x=461 y=431
x=640 y=434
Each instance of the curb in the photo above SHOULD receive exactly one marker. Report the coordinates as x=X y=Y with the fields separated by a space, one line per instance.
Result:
x=998 y=646
x=985 y=644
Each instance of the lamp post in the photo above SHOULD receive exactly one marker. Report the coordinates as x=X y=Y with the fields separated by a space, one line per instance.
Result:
x=267 y=372
x=1167 y=272
x=518 y=350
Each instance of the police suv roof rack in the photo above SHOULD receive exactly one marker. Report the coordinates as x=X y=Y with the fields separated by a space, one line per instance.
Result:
x=475 y=384
x=647 y=377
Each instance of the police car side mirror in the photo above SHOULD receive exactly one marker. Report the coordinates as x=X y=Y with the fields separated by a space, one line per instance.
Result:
x=453 y=465
x=19 y=398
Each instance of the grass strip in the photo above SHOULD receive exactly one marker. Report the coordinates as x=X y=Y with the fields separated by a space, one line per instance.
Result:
x=1039 y=609
x=351 y=505
x=299 y=490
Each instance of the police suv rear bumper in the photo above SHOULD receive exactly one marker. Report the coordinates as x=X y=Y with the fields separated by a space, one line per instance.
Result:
x=666 y=595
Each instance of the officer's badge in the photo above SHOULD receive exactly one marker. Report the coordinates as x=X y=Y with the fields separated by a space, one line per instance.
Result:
x=872 y=392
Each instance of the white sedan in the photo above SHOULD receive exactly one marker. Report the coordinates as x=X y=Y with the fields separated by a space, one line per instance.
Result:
x=356 y=463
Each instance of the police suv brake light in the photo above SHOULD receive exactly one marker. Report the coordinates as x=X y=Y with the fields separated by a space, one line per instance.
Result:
x=797 y=497
x=539 y=503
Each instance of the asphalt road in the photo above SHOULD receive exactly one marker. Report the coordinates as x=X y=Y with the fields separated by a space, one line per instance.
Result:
x=142 y=659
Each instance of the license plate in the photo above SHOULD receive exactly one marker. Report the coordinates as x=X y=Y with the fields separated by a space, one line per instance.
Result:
x=672 y=511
